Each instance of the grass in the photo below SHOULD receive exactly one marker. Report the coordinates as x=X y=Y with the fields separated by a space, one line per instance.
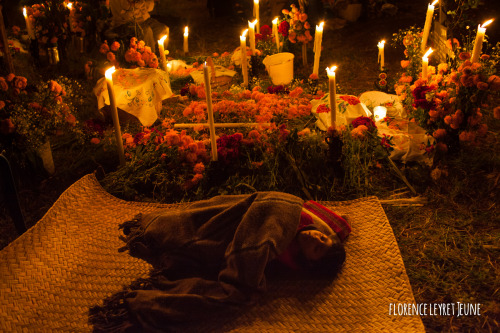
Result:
x=450 y=245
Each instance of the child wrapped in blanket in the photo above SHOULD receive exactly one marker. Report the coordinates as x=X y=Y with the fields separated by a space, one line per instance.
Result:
x=212 y=255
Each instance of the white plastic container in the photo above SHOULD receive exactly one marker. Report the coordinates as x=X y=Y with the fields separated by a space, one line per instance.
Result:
x=279 y=66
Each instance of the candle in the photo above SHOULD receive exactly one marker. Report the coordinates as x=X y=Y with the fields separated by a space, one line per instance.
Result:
x=186 y=33
x=243 y=47
x=114 y=113
x=379 y=112
x=29 y=27
x=427 y=25
x=425 y=63
x=318 y=37
x=478 y=43
x=208 y=93
x=275 y=33
x=163 y=58
x=381 y=54
x=333 y=95
x=251 y=35
x=70 y=7
x=256 y=13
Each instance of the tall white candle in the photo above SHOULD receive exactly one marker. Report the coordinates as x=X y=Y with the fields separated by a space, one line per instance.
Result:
x=427 y=25
x=29 y=27
x=333 y=94
x=114 y=113
x=478 y=43
x=318 y=37
x=243 y=47
x=251 y=35
x=381 y=54
x=186 y=34
x=275 y=33
x=208 y=93
x=163 y=58
x=70 y=7
x=425 y=63
x=256 y=14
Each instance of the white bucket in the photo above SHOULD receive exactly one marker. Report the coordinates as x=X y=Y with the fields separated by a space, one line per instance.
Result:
x=279 y=66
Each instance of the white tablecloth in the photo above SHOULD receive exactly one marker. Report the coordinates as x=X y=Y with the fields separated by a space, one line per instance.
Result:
x=138 y=91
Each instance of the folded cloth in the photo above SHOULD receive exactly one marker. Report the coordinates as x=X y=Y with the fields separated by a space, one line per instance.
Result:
x=209 y=256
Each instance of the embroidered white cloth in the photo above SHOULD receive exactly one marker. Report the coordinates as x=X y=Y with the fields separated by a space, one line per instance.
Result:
x=138 y=91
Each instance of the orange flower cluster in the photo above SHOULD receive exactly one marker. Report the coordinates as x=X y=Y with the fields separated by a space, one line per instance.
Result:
x=448 y=103
x=137 y=55
x=249 y=106
x=299 y=27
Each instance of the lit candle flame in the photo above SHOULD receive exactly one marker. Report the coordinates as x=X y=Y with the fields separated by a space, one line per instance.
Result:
x=428 y=53
x=186 y=31
x=252 y=24
x=244 y=33
x=109 y=73
x=162 y=40
x=69 y=5
x=256 y=1
x=25 y=13
x=275 y=21
x=331 y=70
x=381 y=44
x=486 y=23
x=320 y=26
x=435 y=2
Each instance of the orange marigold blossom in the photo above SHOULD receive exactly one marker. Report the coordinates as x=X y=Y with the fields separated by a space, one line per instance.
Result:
x=115 y=46
x=464 y=55
x=494 y=82
x=496 y=112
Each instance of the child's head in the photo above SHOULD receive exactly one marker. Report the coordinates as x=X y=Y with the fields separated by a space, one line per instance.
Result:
x=320 y=253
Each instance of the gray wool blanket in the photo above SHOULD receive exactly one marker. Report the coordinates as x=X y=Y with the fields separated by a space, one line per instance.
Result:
x=207 y=257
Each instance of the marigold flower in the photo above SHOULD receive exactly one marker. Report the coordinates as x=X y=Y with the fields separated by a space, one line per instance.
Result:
x=405 y=63
x=95 y=141
x=6 y=126
x=452 y=43
x=496 y=112
x=464 y=55
x=359 y=132
x=439 y=133
x=485 y=57
x=482 y=86
x=115 y=46
x=111 y=57
x=199 y=168
x=104 y=49
x=494 y=82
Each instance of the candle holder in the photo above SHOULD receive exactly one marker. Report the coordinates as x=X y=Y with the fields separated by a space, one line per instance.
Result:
x=334 y=155
x=53 y=54
x=381 y=81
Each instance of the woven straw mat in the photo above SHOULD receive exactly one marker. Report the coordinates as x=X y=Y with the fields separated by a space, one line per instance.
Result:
x=68 y=262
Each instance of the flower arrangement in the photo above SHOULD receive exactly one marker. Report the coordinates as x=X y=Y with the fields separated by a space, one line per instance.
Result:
x=136 y=55
x=50 y=21
x=296 y=28
x=85 y=16
x=31 y=113
x=450 y=102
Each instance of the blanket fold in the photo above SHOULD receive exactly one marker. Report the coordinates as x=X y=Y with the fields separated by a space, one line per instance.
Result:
x=208 y=256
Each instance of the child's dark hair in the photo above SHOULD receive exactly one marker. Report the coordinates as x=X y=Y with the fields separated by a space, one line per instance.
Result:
x=329 y=265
